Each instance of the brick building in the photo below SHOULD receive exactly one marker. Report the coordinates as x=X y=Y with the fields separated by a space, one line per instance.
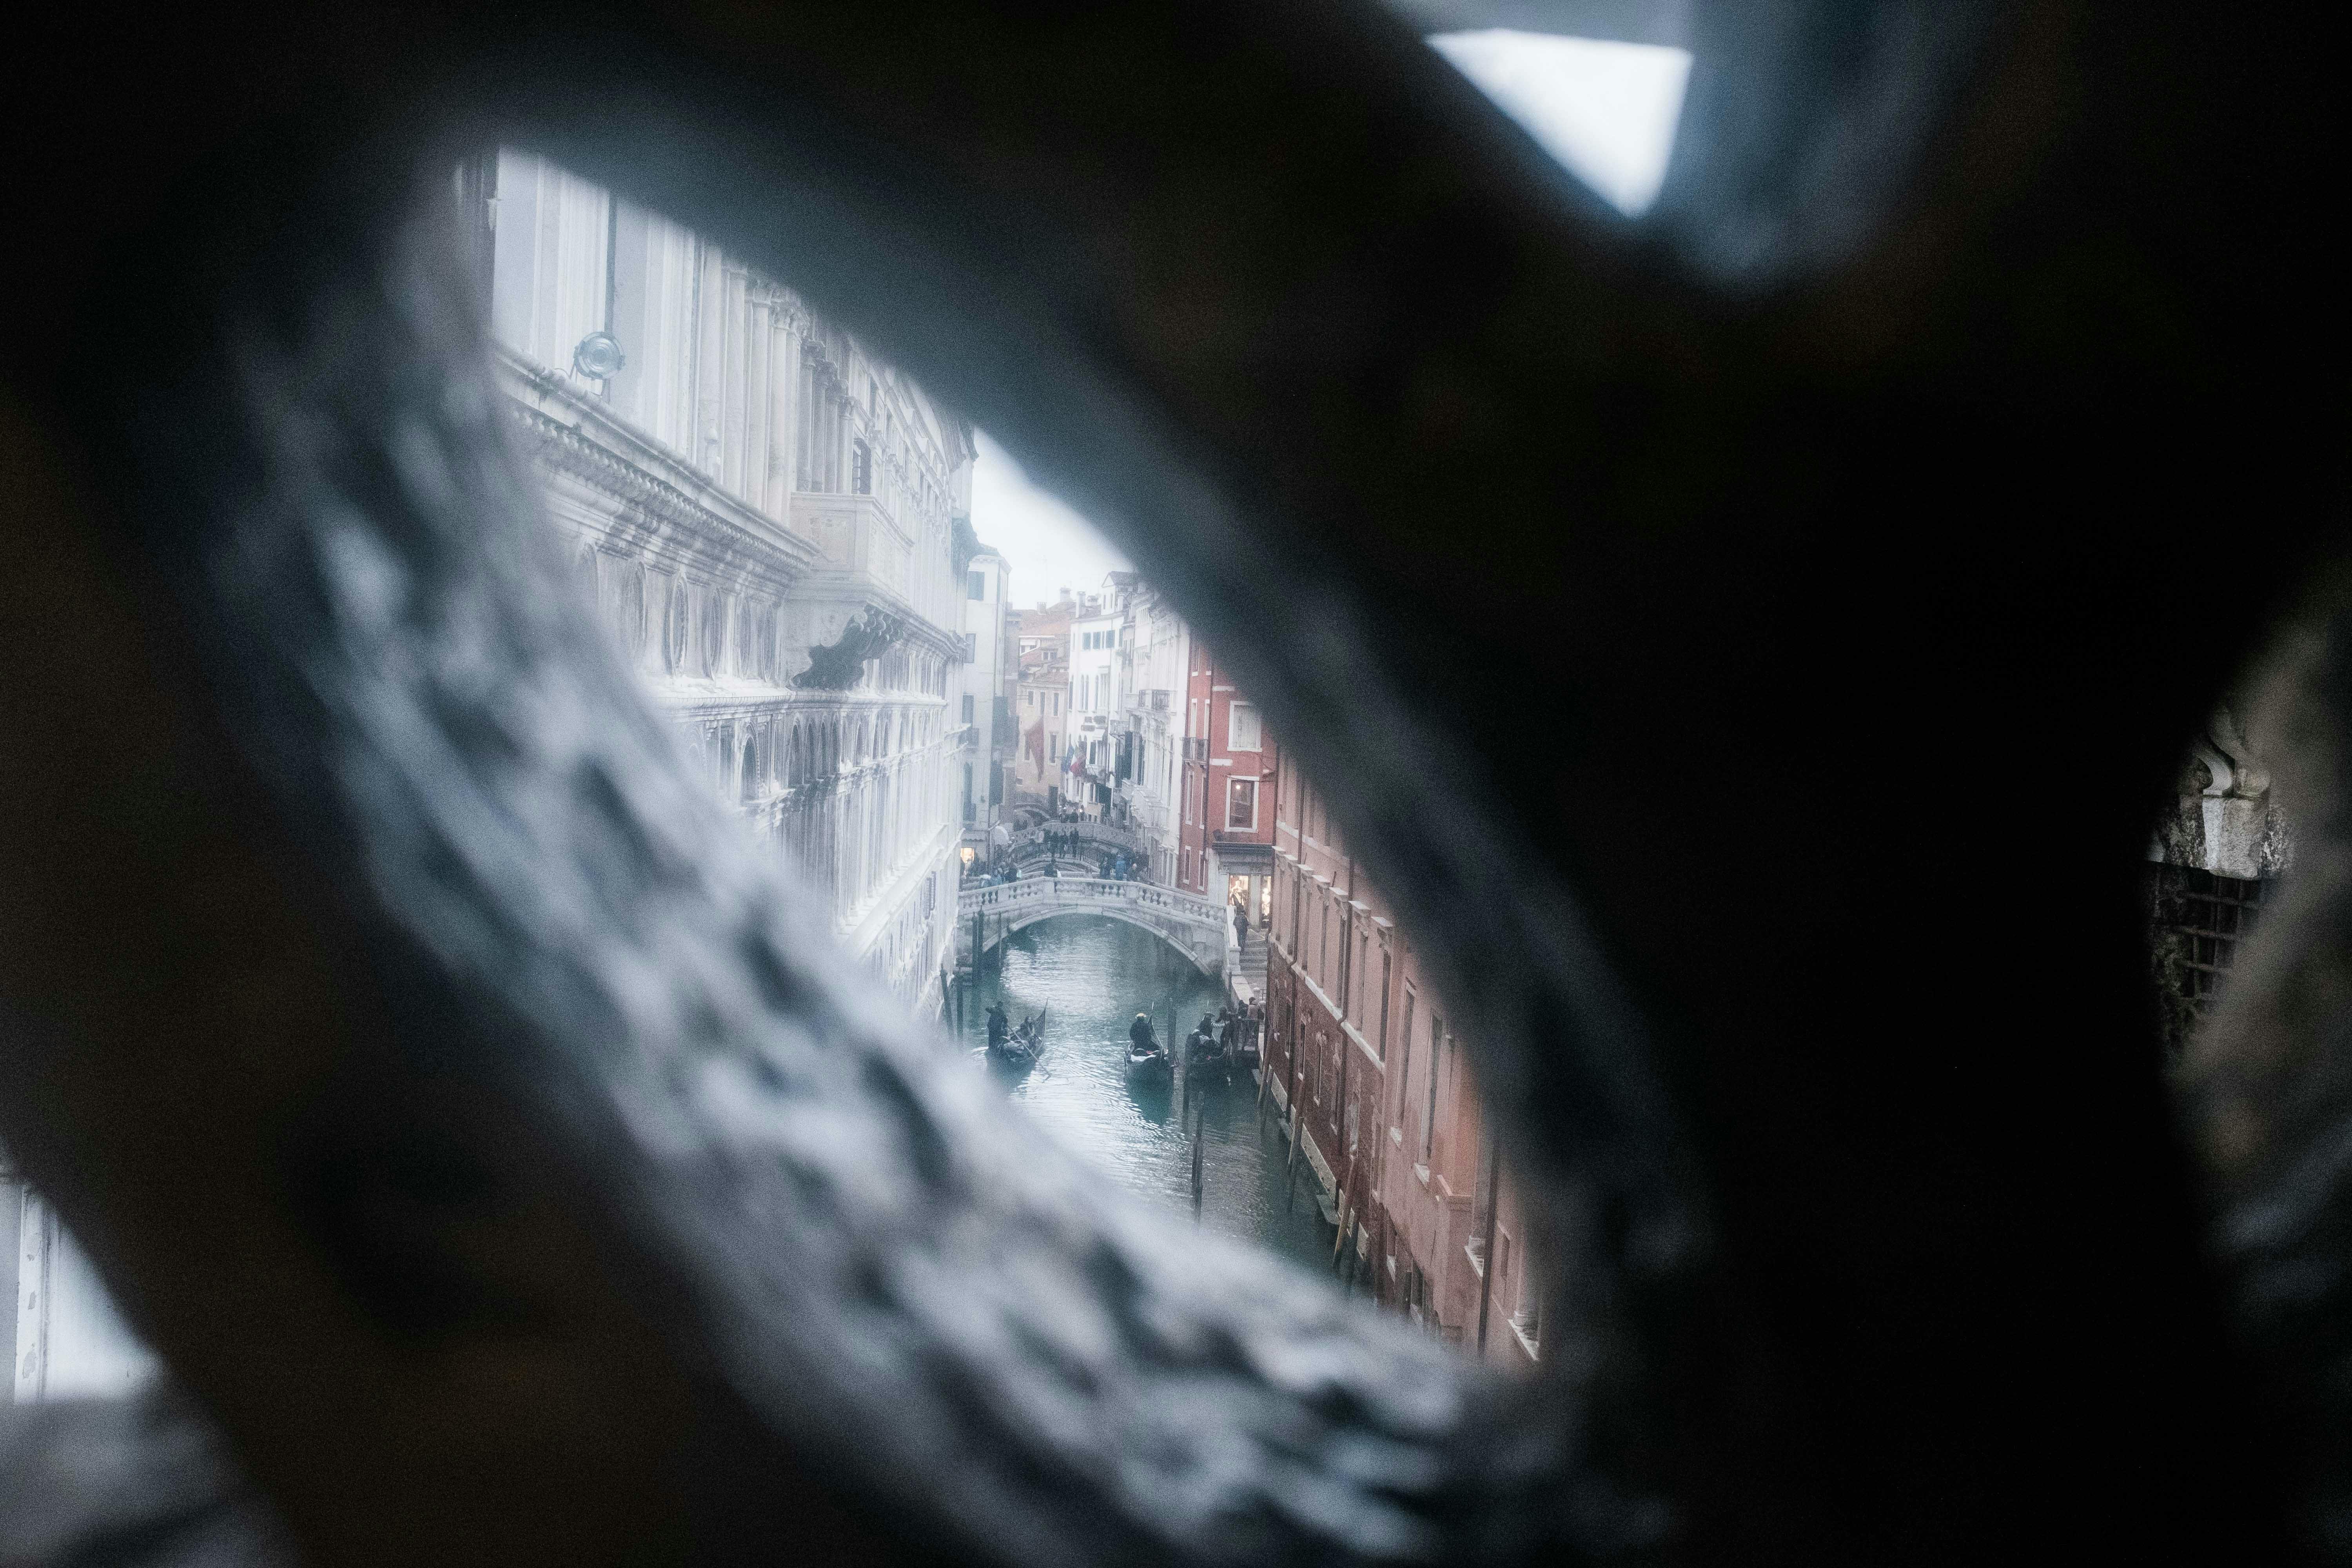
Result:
x=1387 y=1112
x=1226 y=830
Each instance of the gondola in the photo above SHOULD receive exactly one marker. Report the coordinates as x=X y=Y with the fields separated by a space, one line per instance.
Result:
x=1204 y=1053
x=1023 y=1046
x=1146 y=1060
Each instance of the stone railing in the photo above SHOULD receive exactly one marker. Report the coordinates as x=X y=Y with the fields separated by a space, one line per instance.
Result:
x=1074 y=895
x=1096 y=832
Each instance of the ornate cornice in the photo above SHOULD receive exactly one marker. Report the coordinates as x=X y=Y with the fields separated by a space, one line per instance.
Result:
x=567 y=449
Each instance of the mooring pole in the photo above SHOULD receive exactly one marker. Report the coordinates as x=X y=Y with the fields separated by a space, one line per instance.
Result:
x=1487 y=1241
x=1297 y=1129
x=1290 y=1165
x=1196 y=1170
x=1347 y=1192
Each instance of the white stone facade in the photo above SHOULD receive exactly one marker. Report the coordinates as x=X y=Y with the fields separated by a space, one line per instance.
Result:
x=982 y=700
x=68 y=1340
x=764 y=517
x=1156 y=651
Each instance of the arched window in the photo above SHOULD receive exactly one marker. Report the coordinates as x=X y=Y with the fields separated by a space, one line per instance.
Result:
x=713 y=642
x=674 y=628
x=630 y=613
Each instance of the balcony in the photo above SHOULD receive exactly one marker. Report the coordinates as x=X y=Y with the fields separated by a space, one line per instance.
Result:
x=1196 y=748
x=853 y=533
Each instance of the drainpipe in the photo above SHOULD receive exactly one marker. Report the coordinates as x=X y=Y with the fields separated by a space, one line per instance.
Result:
x=1486 y=1243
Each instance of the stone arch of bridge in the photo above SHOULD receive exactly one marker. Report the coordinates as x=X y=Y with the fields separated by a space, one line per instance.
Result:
x=1204 y=956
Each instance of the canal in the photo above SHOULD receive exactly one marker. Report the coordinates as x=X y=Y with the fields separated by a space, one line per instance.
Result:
x=1091 y=976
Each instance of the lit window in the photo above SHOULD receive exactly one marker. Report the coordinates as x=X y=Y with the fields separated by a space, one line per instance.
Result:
x=1241 y=811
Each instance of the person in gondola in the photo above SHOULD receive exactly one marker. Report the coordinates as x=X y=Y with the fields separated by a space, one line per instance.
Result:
x=997 y=1027
x=1139 y=1034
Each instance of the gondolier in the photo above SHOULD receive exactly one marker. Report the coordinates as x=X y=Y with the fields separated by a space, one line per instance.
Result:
x=1145 y=1058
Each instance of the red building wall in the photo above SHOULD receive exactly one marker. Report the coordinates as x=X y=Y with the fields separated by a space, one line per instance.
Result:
x=1226 y=741
x=1359 y=1041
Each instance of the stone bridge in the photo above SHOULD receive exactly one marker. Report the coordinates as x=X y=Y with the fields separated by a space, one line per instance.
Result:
x=1193 y=925
x=1089 y=836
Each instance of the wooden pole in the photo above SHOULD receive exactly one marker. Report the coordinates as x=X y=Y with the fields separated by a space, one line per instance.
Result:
x=1487 y=1241
x=1347 y=1196
x=1196 y=1169
x=1297 y=1134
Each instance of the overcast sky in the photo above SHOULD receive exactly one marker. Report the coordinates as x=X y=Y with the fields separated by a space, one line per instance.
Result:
x=1048 y=546
x=1606 y=111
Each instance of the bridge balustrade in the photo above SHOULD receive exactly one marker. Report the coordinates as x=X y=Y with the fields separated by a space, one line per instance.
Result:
x=1001 y=897
x=1099 y=834
x=1193 y=924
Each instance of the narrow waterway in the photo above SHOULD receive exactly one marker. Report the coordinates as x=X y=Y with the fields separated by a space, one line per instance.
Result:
x=1091 y=976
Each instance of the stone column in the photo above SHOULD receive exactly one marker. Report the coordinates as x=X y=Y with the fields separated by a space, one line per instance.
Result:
x=759 y=340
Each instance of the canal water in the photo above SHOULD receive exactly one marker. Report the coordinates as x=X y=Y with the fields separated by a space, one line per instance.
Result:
x=1092 y=976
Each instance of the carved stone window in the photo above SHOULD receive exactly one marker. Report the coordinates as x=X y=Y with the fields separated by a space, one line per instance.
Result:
x=711 y=611
x=630 y=587
x=673 y=626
